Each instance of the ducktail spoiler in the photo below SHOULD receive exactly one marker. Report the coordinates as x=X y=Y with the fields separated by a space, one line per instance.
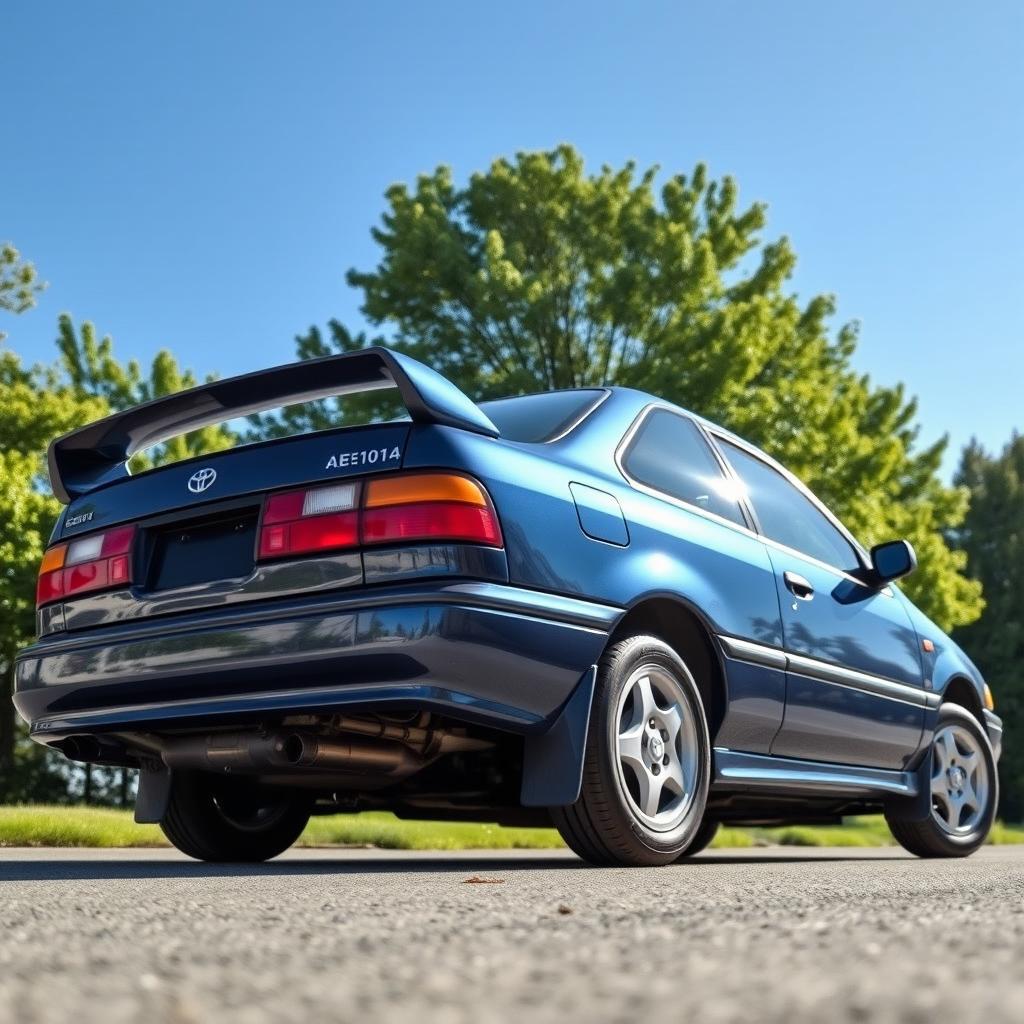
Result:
x=97 y=455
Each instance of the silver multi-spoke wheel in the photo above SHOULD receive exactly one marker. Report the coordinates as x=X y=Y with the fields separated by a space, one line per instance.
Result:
x=656 y=746
x=647 y=762
x=953 y=814
x=960 y=780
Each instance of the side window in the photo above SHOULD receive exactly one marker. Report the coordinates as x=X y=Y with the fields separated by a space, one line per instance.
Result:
x=786 y=515
x=669 y=454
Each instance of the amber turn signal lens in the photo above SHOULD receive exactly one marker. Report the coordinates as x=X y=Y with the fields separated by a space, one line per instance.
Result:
x=422 y=487
x=990 y=701
x=54 y=558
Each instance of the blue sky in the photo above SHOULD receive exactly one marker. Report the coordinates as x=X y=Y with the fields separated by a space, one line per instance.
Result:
x=200 y=176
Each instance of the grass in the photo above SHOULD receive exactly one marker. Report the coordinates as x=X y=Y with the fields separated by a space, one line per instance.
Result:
x=103 y=828
x=378 y=828
x=74 y=826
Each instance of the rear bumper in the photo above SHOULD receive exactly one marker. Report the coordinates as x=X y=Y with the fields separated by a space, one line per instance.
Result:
x=485 y=652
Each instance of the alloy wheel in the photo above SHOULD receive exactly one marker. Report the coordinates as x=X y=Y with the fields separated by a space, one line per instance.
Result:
x=960 y=781
x=656 y=748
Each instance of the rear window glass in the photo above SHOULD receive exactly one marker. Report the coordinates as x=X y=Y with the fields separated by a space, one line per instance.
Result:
x=533 y=419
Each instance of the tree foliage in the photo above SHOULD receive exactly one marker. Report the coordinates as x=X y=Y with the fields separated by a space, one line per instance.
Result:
x=35 y=405
x=92 y=369
x=992 y=537
x=328 y=413
x=19 y=283
x=538 y=275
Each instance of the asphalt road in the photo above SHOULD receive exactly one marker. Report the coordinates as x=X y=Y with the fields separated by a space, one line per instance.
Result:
x=316 y=936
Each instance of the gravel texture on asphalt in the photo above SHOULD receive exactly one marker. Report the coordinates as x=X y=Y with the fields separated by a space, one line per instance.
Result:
x=752 y=935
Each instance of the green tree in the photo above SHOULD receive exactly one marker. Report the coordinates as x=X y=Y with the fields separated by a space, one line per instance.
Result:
x=19 y=283
x=35 y=405
x=325 y=414
x=93 y=370
x=993 y=538
x=538 y=275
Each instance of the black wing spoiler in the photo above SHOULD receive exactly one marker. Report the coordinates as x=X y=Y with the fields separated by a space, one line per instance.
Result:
x=96 y=455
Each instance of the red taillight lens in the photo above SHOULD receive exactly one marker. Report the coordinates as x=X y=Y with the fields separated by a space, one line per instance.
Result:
x=304 y=522
x=429 y=506
x=436 y=521
x=304 y=536
x=410 y=507
x=102 y=561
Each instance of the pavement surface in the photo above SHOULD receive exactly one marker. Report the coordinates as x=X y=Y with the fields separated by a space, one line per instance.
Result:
x=761 y=935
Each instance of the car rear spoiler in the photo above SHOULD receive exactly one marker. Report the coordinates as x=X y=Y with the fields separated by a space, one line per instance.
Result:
x=96 y=455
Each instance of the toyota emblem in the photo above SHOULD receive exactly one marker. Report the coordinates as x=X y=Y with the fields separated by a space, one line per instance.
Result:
x=201 y=480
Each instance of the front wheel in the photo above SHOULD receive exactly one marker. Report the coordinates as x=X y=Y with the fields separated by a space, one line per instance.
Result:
x=224 y=819
x=964 y=791
x=647 y=762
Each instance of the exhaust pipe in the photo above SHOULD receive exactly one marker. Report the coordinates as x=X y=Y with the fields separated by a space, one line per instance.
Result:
x=225 y=752
x=305 y=750
x=81 y=748
x=285 y=752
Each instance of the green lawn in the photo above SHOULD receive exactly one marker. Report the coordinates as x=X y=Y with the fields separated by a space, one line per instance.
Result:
x=97 y=827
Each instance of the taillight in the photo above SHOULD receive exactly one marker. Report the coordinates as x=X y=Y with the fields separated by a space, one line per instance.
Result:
x=429 y=506
x=413 y=507
x=102 y=561
x=303 y=522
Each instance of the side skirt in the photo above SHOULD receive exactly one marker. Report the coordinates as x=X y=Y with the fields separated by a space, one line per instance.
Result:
x=737 y=772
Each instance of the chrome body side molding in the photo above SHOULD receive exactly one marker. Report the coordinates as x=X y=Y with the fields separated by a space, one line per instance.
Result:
x=785 y=776
x=823 y=671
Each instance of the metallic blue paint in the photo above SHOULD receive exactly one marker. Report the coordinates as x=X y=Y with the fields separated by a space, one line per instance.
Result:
x=494 y=654
x=857 y=627
x=506 y=638
x=553 y=759
x=97 y=455
x=757 y=702
x=600 y=515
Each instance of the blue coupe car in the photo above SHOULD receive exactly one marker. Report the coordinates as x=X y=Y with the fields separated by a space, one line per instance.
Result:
x=588 y=606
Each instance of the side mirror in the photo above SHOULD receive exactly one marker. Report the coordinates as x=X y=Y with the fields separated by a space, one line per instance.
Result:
x=892 y=560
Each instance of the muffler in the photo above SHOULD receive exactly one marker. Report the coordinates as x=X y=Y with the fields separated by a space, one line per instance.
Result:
x=225 y=751
x=280 y=752
x=308 y=750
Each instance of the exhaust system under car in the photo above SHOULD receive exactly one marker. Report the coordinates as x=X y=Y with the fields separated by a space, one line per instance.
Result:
x=340 y=743
x=255 y=753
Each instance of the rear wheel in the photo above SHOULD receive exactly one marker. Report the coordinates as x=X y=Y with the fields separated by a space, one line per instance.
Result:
x=701 y=840
x=220 y=819
x=647 y=761
x=964 y=791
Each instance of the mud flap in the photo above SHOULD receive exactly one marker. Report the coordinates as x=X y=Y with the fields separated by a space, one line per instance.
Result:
x=553 y=761
x=154 y=793
x=919 y=806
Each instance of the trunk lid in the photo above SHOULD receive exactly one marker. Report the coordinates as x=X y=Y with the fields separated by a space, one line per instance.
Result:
x=190 y=490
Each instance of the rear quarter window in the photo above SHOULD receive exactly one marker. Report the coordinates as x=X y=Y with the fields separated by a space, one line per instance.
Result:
x=669 y=454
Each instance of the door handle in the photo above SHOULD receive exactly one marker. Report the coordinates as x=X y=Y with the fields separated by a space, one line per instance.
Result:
x=798 y=586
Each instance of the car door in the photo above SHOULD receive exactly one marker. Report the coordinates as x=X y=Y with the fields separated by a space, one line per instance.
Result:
x=854 y=684
x=687 y=519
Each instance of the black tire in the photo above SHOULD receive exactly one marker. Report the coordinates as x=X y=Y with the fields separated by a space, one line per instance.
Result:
x=701 y=840
x=222 y=820
x=606 y=825
x=935 y=836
